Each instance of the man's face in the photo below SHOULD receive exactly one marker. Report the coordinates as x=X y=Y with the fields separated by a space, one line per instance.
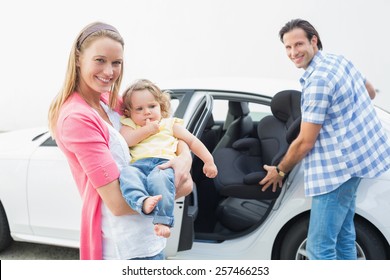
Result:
x=298 y=47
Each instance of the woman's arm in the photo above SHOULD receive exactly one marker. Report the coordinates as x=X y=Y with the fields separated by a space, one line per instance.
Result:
x=113 y=199
x=88 y=147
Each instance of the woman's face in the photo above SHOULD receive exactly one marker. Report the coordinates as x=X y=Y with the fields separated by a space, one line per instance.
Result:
x=144 y=107
x=100 y=66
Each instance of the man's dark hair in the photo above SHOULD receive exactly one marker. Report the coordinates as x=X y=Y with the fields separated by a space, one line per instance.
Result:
x=303 y=24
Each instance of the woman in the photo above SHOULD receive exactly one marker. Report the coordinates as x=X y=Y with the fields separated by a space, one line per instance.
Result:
x=84 y=120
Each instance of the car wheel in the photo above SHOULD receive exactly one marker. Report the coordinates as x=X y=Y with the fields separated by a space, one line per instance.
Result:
x=369 y=244
x=294 y=243
x=5 y=236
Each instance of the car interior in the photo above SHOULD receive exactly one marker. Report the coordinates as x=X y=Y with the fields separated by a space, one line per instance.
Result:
x=232 y=204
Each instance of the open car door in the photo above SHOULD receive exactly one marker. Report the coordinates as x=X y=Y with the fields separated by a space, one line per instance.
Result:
x=194 y=107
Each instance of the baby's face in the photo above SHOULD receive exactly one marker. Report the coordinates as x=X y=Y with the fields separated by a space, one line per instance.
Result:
x=144 y=107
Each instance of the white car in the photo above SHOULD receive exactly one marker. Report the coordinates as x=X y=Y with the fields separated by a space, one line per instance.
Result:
x=39 y=201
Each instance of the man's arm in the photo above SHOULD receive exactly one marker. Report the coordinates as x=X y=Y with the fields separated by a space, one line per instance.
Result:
x=296 y=152
x=371 y=90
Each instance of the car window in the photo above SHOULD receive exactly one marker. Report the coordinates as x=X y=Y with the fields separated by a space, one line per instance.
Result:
x=257 y=111
x=220 y=108
x=49 y=142
x=174 y=104
x=177 y=106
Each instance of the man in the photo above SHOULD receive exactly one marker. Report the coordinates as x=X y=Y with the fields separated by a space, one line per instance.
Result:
x=341 y=141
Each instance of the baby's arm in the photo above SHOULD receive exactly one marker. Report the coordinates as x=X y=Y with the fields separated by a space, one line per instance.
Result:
x=134 y=136
x=197 y=147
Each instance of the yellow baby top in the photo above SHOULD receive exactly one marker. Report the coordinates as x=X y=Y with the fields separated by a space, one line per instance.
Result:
x=162 y=144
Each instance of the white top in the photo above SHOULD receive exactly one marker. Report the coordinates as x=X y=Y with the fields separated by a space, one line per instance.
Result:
x=128 y=236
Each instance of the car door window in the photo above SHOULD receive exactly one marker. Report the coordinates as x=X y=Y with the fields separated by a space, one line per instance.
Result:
x=257 y=111
x=174 y=104
x=49 y=142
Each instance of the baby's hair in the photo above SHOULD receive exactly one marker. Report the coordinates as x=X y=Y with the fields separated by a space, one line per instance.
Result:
x=162 y=97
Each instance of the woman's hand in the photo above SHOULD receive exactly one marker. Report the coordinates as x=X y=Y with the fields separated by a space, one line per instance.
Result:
x=182 y=167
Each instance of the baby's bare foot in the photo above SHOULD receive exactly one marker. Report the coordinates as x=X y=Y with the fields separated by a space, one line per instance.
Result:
x=162 y=230
x=150 y=203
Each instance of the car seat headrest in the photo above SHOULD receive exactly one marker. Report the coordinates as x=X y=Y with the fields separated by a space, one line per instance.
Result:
x=238 y=109
x=286 y=106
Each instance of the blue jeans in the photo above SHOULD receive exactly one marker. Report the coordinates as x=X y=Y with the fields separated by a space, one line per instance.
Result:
x=331 y=229
x=142 y=179
x=159 y=256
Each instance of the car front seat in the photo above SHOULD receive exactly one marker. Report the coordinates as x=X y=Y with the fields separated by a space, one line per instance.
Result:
x=241 y=125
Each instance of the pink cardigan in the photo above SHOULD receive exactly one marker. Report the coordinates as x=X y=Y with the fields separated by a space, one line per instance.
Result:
x=83 y=137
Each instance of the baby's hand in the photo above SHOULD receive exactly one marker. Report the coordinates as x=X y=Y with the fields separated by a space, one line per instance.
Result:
x=210 y=170
x=153 y=127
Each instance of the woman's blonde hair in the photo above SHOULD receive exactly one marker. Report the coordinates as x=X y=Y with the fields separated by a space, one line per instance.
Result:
x=162 y=97
x=88 y=35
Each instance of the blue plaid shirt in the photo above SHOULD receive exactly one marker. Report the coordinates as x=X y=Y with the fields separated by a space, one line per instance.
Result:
x=351 y=142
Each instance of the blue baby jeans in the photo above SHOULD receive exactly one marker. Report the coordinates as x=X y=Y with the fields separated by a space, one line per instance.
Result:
x=142 y=179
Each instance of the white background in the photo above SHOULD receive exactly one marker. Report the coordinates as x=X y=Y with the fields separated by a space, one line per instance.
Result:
x=179 y=39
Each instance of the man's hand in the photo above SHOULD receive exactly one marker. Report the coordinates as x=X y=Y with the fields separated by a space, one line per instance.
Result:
x=272 y=178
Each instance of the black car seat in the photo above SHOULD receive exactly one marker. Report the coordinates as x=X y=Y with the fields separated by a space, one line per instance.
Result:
x=240 y=167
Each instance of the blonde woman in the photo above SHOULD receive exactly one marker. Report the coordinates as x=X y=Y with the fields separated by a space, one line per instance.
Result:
x=84 y=119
